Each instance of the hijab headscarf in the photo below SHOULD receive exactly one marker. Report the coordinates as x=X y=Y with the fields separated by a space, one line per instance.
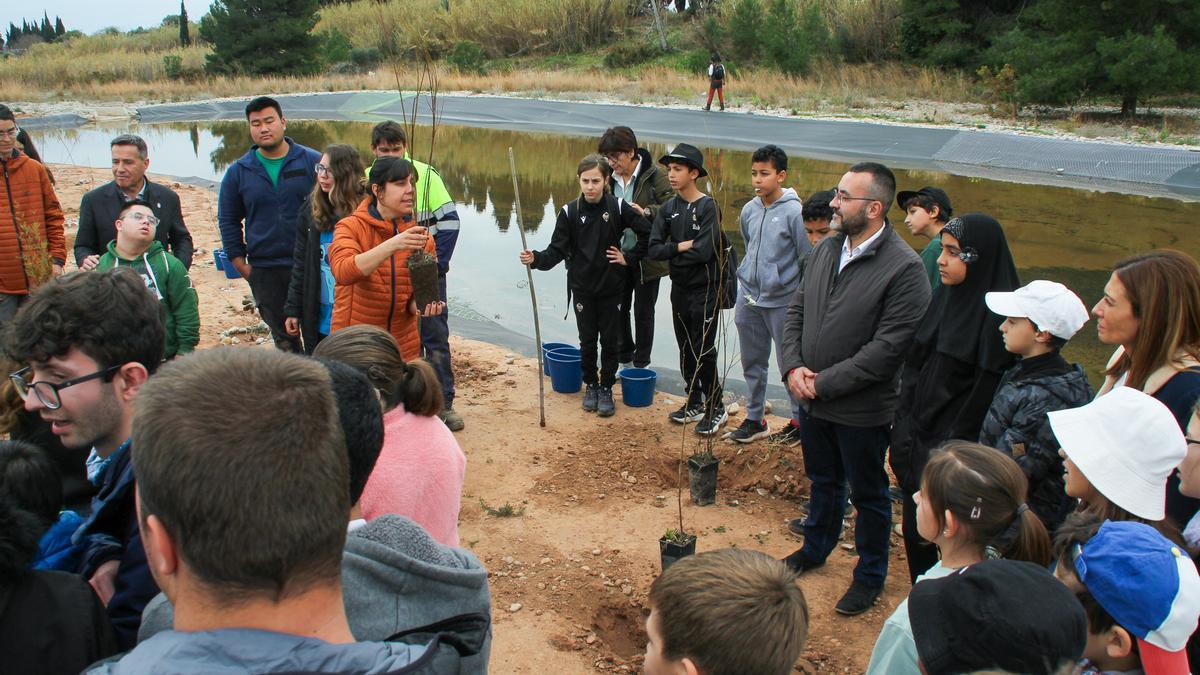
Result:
x=958 y=322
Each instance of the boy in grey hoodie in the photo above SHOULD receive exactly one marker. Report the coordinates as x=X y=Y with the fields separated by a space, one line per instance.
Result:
x=773 y=228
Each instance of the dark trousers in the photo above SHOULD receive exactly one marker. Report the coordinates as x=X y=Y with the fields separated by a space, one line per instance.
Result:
x=834 y=455
x=697 y=321
x=639 y=302
x=9 y=304
x=270 y=288
x=920 y=553
x=596 y=317
x=435 y=345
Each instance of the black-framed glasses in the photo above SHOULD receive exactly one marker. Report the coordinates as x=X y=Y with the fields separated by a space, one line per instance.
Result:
x=321 y=169
x=47 y=392
x=10 y=133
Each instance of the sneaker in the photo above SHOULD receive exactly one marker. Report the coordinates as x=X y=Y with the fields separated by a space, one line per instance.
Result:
x=710 y=424
x=452 y=420
x=748 y=432
x=690 y=412
x=847 y=511
x=858 y=599
x=605 y=405
x=788 y=437
x=799 y=564
x=722 y=108
x=796 y=526
x=707 y=108
x=591 y=397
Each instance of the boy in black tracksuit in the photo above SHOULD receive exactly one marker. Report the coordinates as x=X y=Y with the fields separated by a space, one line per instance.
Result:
x=588 y=236
x=686 y=231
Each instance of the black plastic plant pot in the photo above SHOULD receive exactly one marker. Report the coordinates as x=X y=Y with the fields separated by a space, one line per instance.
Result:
x=672 y=550
x=702 y=479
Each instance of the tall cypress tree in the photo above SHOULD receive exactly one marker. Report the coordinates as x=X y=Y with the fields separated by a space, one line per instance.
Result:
x=59 y=28
x=47 y=29
x=185 y=37
x=261 y=37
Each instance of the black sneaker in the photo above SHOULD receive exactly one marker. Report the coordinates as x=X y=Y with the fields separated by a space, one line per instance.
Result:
x=710 y=424
x=591 y=397
x=847 y=511
x=748 y=432
x=788 y=437
x=858 y=599
x=799 y=564
x=796 y=526
x=690 y=412
x=604 y=404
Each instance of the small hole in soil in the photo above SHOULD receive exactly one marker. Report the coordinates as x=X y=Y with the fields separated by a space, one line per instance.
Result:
x=622 y=628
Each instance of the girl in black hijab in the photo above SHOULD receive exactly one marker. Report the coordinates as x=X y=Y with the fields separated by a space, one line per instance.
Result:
x=955 y=363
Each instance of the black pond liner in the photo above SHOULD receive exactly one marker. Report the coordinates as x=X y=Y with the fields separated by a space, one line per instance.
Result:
x=671 y=552
x=702 y=479
x=423 y=274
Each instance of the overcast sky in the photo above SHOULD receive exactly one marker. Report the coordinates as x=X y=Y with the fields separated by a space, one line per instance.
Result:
x=90 y=16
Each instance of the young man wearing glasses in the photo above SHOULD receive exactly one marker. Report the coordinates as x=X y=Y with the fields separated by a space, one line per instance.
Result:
x=164 y=274
x=33 y=247
x=88 y=342
x=100 y=207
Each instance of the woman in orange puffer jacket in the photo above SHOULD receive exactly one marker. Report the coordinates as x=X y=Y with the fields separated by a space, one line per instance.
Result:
x=368 y=258
x=27 y=202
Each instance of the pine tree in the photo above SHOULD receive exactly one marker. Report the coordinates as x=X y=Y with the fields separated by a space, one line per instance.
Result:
x=59 y=29
x=261 y=37
x=185 y=37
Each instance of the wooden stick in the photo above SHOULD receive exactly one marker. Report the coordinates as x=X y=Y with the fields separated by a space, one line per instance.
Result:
x=537 y=324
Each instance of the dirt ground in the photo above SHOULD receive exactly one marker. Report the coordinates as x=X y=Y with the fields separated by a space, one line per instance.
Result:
x=571 y=566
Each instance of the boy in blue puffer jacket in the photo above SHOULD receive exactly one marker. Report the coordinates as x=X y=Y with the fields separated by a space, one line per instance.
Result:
x=30 y=479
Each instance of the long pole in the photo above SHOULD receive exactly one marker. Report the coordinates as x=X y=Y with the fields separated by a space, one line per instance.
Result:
x=537 y=324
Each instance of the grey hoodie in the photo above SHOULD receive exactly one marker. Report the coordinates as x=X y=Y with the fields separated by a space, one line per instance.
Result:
x=395 y=577
x=241 y=650
x=775 y=243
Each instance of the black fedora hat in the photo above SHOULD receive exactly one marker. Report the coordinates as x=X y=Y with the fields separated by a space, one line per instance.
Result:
x=688 y=154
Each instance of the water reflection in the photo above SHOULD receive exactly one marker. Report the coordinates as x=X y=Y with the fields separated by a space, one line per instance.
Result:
x=1071 y=236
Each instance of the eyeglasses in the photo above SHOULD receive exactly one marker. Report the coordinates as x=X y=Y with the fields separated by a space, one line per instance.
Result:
x=10 y=133
x=616 y=156
x=321 y=170
x=138 y=216
x=842 y=195
x=47 y=392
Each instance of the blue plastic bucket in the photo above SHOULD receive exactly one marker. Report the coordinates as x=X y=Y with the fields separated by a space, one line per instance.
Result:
x=548 y=347
x=637 y=386
x=231 y=272
x=566 y=375
x=217 y=259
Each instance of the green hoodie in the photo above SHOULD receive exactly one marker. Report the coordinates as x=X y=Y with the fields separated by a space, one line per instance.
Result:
x=167 y=278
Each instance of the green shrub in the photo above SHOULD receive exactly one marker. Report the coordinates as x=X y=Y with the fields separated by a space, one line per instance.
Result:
x=335 y=47
x=745 y=26
x=697 y=60
x=625 y=54
x=365 y=57
x=468 y=57
x=173 y=66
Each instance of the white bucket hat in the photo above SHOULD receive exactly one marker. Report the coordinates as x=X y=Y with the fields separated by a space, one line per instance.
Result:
x=1126 y=443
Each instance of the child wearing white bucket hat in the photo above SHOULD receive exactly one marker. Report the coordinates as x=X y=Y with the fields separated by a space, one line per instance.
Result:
x=1119 y=451
x=1041 y=317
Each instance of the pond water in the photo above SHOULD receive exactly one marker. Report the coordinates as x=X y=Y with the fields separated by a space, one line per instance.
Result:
x=1069 y=235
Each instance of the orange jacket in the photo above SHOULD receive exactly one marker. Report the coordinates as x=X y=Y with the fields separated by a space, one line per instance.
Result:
x=27 y=200
x=381 y=297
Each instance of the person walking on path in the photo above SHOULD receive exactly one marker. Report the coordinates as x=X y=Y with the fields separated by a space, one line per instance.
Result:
x=644 y=186
x=100 y=208
x=33 y=247
x=257 y=208
x=435 y=210
x=847 y=331
x=716 y=82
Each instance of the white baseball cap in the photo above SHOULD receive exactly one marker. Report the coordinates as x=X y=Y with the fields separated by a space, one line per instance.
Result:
x=1126 y=443
x=1051 y=307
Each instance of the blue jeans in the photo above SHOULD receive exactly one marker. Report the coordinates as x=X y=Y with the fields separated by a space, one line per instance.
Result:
x=435 y=345
x=834 y=455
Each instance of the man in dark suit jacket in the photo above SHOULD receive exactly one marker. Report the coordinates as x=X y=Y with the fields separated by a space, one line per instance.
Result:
x=100 y=208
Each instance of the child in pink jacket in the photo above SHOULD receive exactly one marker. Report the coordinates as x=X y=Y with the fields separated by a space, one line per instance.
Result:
x=421 y=469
